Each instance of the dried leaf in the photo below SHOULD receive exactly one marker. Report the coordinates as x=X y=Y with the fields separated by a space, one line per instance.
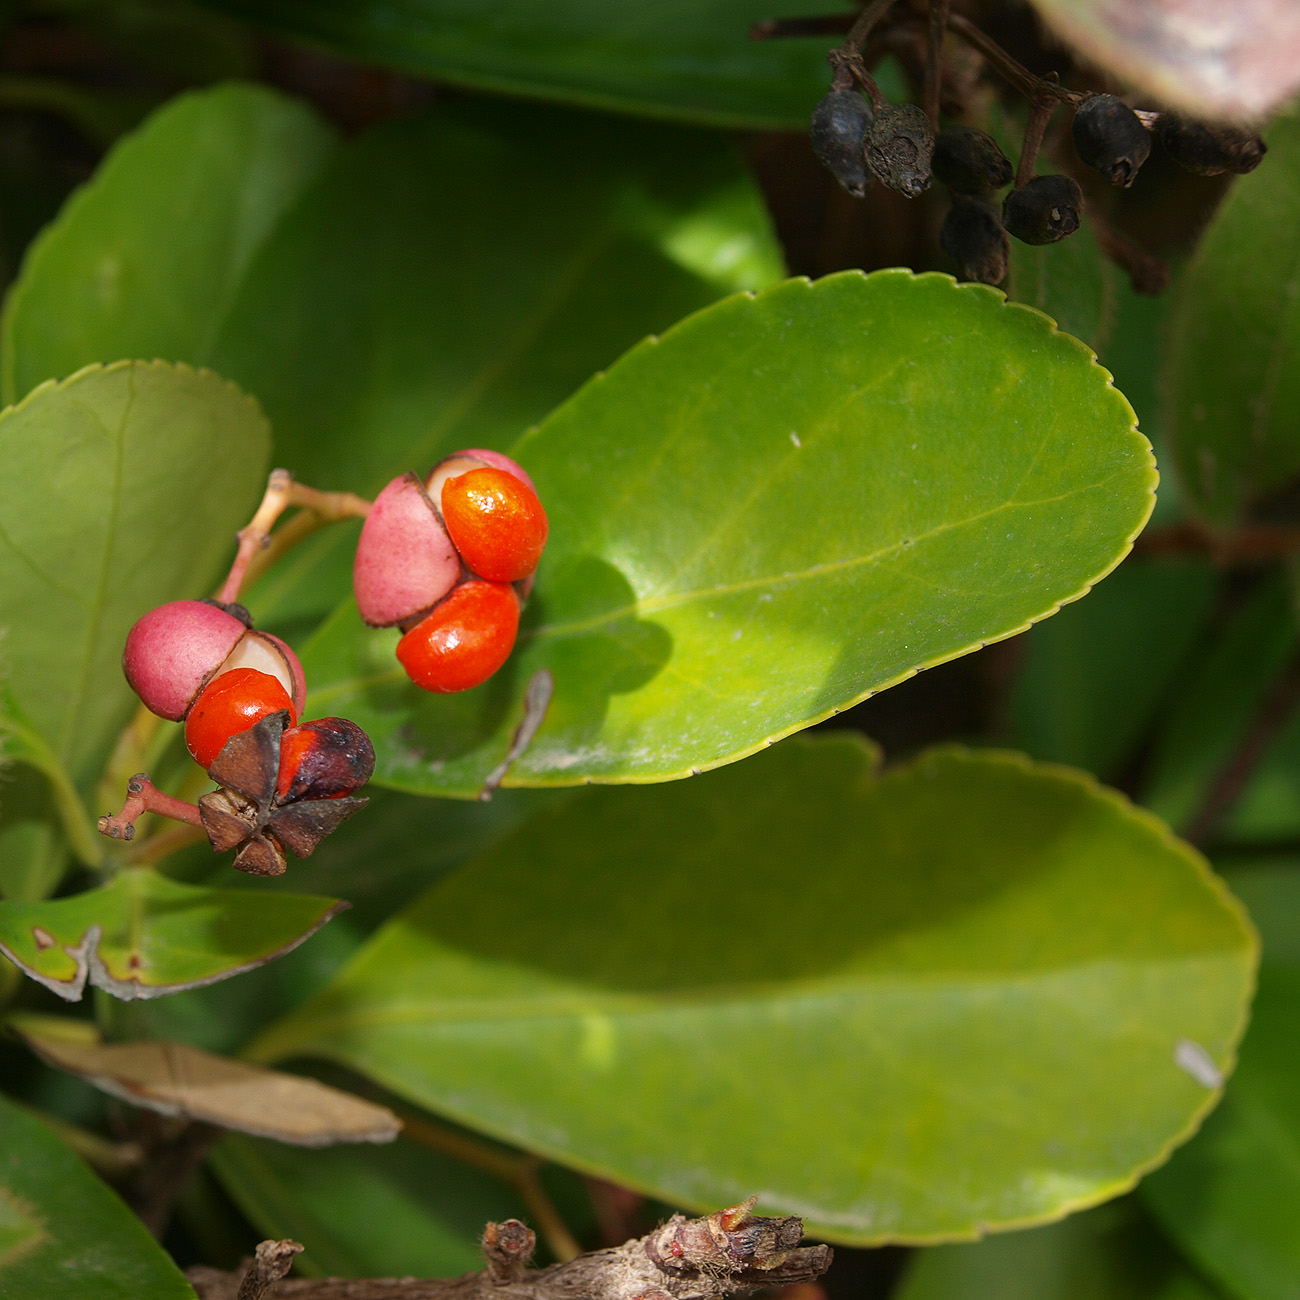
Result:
x=1212 y=60
x=174 y=1079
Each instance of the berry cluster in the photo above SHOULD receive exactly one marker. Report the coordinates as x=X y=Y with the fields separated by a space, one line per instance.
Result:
x=857 y=134
x=448 y=559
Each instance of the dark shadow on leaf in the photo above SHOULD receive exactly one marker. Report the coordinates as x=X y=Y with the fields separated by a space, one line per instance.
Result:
x=594 y=661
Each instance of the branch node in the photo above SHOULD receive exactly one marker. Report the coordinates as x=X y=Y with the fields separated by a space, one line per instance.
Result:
x=507 y=1248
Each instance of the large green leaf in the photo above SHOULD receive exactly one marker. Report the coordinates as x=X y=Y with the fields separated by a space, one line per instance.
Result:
x=1110 y=1253
x=675 y=58
x=121 y=489
x=784 y=504
x=1093 y=678
x=1231 y=378
x=145 y=261
x=406 y=308
x=63 y=1233
x=1231 y=1199
x=912 y=1007
x=379 y=861
x=144 y=936
x=393 y=1211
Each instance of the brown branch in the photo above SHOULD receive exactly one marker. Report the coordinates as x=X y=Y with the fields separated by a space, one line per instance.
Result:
x=683 y=1259
x=936 y=30
x=1274 y=712
x=1250 y=545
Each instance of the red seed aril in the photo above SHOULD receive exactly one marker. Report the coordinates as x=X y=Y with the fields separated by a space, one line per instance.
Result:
x=325 y=759
x=496 y=522
x=229 y=704
x=464 y=640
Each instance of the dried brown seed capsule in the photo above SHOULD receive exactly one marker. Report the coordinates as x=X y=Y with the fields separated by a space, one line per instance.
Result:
x=1109 y=137
x=973 y=236
x=969 y=161
x=1210 y=150
x=899 y=145
x=838 y=132
x=1044 y=210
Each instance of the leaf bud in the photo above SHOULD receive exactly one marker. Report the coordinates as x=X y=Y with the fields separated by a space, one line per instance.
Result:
x=1110 y=138
x=973 y=236
x=899 y=145
x=839 y=126
x=1210 y=150
x=1044 y=210
x=969 y=161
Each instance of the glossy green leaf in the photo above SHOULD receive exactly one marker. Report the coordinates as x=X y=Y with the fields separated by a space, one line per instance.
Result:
x=1231 y=373
x=63 y=1233
x=907 y=1007
x=145 y=261
x=1110 y=1253
x=379 y=861
x=784 y=504
x=404 y=310
x=114 y=498
x=1231 y=1198
x=1218 y=701
x=21 y=743
x=394 y=1211
x=674 y=58
x=1093 y=678
x=144 y=936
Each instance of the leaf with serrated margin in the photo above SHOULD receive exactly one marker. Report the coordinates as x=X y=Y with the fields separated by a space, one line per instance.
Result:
x=145 y=936
x=783 y=505
x=908 y=1007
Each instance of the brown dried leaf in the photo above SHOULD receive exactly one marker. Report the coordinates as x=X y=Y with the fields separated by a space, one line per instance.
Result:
x=183 y=1081
x=1209 y=59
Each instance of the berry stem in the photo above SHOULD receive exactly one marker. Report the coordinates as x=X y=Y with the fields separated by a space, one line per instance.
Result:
x=142 y=796
x=281 y=493
x=1032 y=87
x=1041 y=109
x=937 y=29
x=848 y=54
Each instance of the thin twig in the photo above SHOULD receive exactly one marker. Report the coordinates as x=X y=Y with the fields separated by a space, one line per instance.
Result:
x=1273 y=713
x=1010 y=69
x=847 y=56
x=143 y=796
x=281 y=493
x=684 y=1259
x=514 y=1167
x=1252 y=544
x=1040 y=113
x=936 y=30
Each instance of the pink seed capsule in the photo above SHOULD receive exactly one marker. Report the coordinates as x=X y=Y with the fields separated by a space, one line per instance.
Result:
x=173 y=651
x=176 y=650
x=405 y=562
